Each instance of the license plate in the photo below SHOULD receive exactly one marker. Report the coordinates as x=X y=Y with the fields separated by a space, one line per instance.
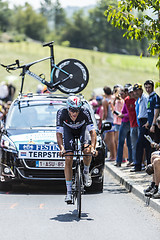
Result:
x=50 y=164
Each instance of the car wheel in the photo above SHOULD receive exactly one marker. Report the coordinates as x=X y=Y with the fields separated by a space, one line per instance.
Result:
x=5 y=186
x=97 y=187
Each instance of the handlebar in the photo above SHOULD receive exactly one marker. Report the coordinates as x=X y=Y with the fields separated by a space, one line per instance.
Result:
x=11 y=66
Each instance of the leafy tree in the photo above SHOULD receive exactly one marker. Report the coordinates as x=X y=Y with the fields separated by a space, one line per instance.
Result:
x=59 y=16
x=54 y=13
x=27 y=21
x=105 y=36
x=77 y=31
x=5 y=14
x=138 y=27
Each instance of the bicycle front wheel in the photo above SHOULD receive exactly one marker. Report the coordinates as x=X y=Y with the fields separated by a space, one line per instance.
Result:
x=79 y=191
x=76 y=72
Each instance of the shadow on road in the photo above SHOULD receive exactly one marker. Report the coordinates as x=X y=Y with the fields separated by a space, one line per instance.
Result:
x=26 y=189
x=71 y=217
x=114 y=188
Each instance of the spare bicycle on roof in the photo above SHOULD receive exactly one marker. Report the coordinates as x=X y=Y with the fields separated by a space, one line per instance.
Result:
x=69 y=75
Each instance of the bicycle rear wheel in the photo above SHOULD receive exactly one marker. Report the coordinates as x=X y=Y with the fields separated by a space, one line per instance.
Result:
x=79 y=191
x=78 y=72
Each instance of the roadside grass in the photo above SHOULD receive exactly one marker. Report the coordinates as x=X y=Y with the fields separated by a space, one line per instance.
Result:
x=104 y=69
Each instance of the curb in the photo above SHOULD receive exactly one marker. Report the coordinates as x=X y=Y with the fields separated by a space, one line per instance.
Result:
x=132 y=187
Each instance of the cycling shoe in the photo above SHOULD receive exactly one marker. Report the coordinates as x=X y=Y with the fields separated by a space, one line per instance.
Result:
x=87 y=179
x=68 y=199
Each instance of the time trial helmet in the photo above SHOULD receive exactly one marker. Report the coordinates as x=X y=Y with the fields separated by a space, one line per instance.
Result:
x=74 y=104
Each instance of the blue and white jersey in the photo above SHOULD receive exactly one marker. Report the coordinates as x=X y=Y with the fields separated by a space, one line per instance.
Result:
x=153 y=103
x=142 y=102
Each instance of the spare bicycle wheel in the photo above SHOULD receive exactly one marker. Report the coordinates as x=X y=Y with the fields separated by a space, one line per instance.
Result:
x=77 y=72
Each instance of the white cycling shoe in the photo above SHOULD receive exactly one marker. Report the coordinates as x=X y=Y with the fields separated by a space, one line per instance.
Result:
x=68 y=198
x=87 y=179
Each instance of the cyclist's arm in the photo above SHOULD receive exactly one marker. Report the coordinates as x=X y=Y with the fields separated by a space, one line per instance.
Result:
x=60 y=141
x=59 y=132
x=93 y=138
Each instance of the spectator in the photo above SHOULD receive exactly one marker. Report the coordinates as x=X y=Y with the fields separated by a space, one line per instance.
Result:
x=3 y=91
x=108 y=116
x=2 y=114
x=45 y=90
x=39 y=89
x=94 y=104
x=99 y=110
x=130 y=103
x=153 y=107
x=118 y=105
x=124 y=132
x=154 y=189
x=142 y=142
x=11 y=92
x=125 y=148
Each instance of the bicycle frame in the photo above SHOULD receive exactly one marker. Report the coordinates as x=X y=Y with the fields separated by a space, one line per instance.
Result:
x=25 y=70
x=77 y=177
x=70 y=69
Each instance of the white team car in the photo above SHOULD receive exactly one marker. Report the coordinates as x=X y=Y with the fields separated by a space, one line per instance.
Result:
x=29 y=151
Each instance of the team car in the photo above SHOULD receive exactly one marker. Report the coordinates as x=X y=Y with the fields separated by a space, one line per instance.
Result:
x=29 y=150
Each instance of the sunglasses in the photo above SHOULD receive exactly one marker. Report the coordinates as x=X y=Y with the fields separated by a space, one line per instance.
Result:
x=73 y=109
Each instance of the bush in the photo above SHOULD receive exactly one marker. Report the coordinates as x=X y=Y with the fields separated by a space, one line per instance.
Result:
x=65 y=44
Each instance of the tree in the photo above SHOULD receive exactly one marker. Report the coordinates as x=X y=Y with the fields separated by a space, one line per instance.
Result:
x=54 y=14
x=59 y=16
x=5 y=14
x=107 y=38
x=27 y=21
x=77 y=32
x=137 y=27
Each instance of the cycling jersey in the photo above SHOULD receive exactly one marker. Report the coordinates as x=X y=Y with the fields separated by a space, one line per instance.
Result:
x=69 y=128
x=84 y=118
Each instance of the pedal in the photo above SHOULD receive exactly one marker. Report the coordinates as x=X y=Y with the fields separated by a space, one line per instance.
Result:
x=69 y=202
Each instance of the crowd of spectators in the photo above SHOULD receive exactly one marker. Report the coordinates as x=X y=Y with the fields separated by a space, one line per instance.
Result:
x=7 y=92
x=133 y=115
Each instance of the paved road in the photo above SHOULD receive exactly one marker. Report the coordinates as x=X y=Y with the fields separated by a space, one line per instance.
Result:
x=32 y=214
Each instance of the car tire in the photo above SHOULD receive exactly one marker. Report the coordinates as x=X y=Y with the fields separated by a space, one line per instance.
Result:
x=98 y=187
x=5 y=186
x=95 y=187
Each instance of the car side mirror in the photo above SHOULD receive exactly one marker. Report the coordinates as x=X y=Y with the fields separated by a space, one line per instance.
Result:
x=105 y=126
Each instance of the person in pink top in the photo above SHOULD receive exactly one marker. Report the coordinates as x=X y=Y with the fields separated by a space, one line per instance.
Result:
x=124 y=132
x=117 y=108
x=99 y=110
x=130 y=103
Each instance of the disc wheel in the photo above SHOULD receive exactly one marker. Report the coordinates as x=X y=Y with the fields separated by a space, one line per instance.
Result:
x=77 y=72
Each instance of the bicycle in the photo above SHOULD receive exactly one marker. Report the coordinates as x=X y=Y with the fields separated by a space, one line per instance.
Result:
x=69 y=75
x=78 y=183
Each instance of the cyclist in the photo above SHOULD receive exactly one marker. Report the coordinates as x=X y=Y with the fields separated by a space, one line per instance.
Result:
x=75 y=120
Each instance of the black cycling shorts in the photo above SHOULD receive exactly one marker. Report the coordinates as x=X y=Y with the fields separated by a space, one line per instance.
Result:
x=69 y=135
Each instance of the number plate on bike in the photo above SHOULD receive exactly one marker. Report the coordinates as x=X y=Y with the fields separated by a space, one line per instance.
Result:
x=50 y=164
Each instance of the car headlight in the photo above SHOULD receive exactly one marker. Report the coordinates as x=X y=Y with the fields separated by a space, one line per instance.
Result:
x=7 y=144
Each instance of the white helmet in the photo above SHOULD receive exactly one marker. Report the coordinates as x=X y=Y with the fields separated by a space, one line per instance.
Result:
x=74 y=103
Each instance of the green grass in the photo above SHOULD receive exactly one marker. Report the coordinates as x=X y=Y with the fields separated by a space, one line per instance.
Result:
x=104 y=69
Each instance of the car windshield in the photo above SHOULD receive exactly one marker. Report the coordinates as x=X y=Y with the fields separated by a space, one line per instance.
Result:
x=43 y=115
x=37 y=114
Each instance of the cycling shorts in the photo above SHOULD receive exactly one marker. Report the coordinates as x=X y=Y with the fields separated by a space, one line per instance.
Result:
x=69 y=135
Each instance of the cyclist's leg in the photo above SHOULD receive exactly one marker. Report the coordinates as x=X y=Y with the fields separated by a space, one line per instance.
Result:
x=69 y=148
x=86 y=141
